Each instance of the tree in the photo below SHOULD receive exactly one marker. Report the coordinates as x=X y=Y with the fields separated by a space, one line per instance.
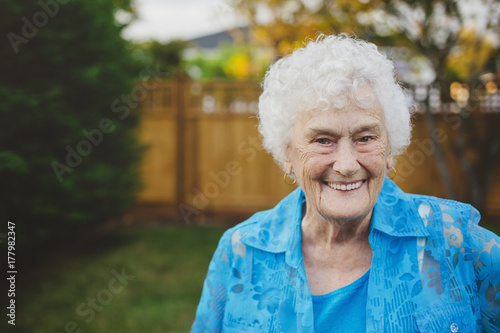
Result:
x=459 y=40
x=285 y=24
x=68 y=154
x=230 y=61
x=167 y=56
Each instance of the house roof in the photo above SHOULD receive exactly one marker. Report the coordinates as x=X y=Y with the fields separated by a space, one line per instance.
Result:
x=214 y=40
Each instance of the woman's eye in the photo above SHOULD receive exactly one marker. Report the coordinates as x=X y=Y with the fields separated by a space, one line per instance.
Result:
x=322 y=141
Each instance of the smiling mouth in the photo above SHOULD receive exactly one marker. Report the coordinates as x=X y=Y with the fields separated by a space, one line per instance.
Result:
x=345 y=187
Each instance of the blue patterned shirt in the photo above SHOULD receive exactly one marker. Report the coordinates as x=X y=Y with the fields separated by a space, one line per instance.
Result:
x=433 y=270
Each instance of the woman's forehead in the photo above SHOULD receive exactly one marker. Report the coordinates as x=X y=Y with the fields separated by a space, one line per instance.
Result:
x=337 y=121
x=351 y=111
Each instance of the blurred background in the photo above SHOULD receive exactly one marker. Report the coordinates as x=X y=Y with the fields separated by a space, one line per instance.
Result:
x=129 y=141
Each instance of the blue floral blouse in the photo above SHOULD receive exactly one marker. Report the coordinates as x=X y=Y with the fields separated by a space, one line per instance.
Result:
x=433 y=270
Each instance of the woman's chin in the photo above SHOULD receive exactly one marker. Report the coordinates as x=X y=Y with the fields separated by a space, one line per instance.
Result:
x=344 y=205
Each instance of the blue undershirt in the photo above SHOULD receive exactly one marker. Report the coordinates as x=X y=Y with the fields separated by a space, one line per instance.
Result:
x=342 y=310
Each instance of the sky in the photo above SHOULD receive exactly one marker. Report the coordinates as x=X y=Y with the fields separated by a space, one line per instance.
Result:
x=165 y=20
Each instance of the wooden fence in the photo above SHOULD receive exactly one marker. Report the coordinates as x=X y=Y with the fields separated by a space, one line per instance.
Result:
x=204 y=153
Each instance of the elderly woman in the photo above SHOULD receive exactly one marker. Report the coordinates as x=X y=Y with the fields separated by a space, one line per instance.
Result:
x=348 y=251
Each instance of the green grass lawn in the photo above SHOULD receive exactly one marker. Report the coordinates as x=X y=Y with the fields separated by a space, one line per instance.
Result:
x=162 y=270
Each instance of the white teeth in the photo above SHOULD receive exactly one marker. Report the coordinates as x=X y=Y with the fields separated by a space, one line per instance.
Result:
x=343 y=187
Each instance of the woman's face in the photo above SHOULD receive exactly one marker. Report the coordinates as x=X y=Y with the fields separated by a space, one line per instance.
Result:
x=339 y=158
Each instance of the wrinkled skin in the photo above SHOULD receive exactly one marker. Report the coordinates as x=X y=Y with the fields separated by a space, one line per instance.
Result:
x=344 y=146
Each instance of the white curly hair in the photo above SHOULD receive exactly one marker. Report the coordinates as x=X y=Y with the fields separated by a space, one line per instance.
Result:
x=321 y=76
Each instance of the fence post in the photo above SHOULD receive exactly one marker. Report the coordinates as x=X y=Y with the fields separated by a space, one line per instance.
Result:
x=182 y=92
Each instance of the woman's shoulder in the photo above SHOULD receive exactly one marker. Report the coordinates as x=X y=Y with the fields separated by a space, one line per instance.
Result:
x=443 y=204
x=456 y=220
x=256 y=221
x=268 y=230
x=283 y=211
x=447 y=210
x=393 y=193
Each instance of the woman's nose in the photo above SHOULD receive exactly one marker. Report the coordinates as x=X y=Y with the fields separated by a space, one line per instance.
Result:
x=345 y=162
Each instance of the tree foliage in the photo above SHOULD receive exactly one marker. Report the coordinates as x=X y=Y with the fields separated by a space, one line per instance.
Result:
x=67 y=156
x=285 y=24
x=458 y=39
x=238 y=62
x=165 y=56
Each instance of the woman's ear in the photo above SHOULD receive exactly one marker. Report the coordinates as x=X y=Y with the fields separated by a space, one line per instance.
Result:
x=390 y=161
x=287 y=164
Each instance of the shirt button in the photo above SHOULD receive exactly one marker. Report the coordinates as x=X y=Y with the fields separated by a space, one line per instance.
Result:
x=454 y=328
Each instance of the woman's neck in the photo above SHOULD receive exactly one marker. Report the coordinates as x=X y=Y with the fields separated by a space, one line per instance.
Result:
x=332 y=233
x=335 y=254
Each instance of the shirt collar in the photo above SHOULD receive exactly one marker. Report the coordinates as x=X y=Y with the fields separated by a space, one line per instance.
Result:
x=396 y=214
x=278 y=230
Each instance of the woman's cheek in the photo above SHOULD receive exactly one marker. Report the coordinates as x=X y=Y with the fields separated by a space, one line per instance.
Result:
x=315 y=165
x=376 y=159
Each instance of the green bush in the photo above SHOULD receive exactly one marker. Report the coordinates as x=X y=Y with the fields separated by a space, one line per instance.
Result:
x=68 y=155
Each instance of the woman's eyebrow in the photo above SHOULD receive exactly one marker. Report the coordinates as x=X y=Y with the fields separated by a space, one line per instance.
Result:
x=314 y=131
x=368 y=128
x=322 y=130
